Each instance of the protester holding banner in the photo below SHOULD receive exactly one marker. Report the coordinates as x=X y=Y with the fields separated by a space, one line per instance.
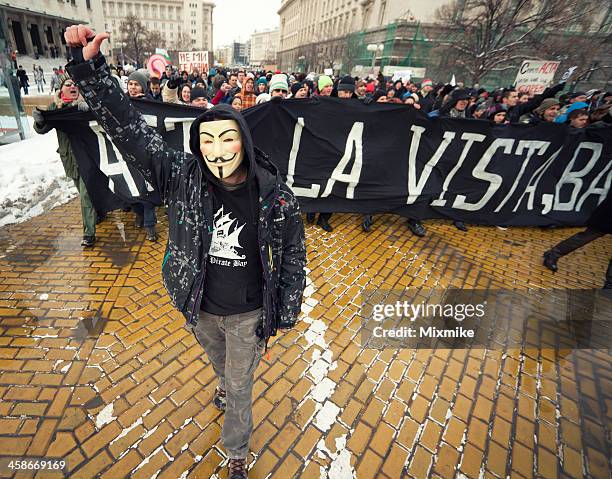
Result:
x=598 y=225
x=67 y=96
x=235 y=259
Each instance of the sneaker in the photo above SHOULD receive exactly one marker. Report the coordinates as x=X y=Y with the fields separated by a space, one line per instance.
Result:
x=237 y=469
x=220 y=401
x=151 y=233
x=502 y=227
x=460 y=225
x=416 y=227
x=88 y=241
x=323 y=223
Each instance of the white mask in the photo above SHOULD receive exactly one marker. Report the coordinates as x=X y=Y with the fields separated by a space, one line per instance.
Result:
x=221 y=146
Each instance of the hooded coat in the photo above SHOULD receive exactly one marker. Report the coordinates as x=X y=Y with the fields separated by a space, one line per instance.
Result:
x=186 y=185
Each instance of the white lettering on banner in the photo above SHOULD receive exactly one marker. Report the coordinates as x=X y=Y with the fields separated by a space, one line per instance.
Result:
x=480 y=173
x=532 y=185
x=594 y=190
x=415 y=186
x=471 y=138
x=575 y=177
x=531 y=146
x=170 y=124
x=117 y=168
x=354 y=141
x=150 y=120
x=313 y=191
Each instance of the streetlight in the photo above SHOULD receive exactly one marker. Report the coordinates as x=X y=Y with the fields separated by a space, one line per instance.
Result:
x=374 y=48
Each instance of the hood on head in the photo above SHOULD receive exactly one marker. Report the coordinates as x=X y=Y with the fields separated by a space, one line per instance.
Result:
x=222 y=112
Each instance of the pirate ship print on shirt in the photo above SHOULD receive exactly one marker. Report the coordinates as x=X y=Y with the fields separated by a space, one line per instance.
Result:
x=225 y=242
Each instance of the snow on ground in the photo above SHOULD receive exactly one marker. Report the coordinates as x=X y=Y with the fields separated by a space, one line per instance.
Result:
x=32 y=179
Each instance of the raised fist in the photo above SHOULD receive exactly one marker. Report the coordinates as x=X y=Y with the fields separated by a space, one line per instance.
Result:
x=81 y=36
x=173 y=81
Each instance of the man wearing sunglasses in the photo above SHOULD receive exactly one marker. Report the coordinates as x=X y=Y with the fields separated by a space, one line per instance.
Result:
x=67 y=96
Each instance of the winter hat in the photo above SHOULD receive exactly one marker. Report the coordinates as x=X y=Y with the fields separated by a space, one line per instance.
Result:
x=460 y=94
x=324 y=80
x=545 y=105
x=250 y=75
x=579 y=105
x=212 y=72
x=297 y=86
x=426 y=82
x=140 y=78
x=63 y=78
x=262 y=98
x=370 y=87
x=198 y=92
x=347 y=83
x=495 y=109
x=261 y=80
x=279 y=82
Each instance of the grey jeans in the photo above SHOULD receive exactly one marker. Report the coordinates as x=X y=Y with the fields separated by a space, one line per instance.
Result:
x=234 y=351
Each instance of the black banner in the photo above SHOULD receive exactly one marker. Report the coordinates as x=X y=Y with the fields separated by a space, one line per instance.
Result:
x=343 y=156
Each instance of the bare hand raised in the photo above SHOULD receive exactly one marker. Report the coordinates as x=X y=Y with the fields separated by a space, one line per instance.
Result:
x=82 y=36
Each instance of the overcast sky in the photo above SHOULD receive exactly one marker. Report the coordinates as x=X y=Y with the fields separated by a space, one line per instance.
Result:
x=237 y=19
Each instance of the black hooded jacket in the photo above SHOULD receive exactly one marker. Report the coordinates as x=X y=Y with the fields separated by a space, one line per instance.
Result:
x=187 y=188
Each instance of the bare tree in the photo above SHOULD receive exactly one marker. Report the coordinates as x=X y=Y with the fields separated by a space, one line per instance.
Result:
x=134 y=39
x=183 y=42
x=493 y=35
x=138 y=43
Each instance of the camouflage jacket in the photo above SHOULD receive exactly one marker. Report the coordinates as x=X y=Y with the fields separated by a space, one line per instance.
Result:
x=180 y=179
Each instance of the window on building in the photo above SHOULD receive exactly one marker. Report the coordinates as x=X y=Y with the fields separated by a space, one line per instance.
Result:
x=88 y=4
x=381 y=15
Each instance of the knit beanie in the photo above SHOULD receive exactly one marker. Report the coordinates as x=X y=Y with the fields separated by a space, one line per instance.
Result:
x=198 y=92
x=297 y=86
x=545 y=105
x=140 y=78
x=279 y=82
x=347 y=83
x=426 y=82
x=261 y=80
x=324 y=80
x=63 y=78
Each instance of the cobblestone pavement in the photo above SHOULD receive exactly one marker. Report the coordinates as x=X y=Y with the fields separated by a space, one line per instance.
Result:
x=96 y=368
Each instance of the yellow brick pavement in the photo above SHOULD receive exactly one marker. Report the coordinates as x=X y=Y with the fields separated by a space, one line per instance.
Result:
x=96 y=368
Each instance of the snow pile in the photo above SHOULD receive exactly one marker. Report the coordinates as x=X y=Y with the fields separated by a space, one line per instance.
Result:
x=32 y=179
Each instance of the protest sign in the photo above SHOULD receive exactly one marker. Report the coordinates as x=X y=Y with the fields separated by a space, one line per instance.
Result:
x=188 y=61
x=534 y=76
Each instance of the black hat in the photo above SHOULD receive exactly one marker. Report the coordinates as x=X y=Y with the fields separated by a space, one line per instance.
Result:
x=198 y=92
x=347 y=83
x=295 y=87
x=460 y=94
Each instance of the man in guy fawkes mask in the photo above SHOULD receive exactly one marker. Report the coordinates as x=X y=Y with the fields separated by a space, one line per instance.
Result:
x=235 y=259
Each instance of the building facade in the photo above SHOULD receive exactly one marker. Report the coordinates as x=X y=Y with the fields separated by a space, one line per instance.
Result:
x=36 y=27
x=318 y=25
x=264 y=47
x=404 y=34
x=174 y=20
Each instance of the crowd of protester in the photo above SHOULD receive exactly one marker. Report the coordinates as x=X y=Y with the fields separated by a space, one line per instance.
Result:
x=244 y=89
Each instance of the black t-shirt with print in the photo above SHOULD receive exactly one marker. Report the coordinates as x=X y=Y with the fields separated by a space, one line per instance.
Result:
x=234 y=275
